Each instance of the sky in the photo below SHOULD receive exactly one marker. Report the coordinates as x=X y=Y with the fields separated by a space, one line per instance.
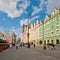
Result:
x=15 y=13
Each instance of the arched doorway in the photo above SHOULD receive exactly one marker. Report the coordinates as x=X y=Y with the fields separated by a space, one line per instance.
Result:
x=57 y=41
x=40 y=42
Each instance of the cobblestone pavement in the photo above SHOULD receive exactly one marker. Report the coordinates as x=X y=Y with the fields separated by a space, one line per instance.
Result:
x=25 y=53
x=54 y=53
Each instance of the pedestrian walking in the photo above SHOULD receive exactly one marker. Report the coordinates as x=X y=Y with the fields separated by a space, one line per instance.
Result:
x=16 y=45
x=34 y=45
x=44 y=45
x=28 y=45
x=53 y=47
x=10 y=45
x=48 y=43
x=21 y=44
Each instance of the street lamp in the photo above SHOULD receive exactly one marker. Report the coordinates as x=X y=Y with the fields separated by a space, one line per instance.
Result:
x=28 y=30
x=44 y=42
x=23 y=34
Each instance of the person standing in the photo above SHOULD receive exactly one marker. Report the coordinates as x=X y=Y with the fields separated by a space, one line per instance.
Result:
x=28 y=45
x=53 y=47
x=10 y=45
x=34 y=44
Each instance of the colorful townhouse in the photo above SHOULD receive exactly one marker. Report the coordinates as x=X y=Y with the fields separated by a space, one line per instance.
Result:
x=49 y=30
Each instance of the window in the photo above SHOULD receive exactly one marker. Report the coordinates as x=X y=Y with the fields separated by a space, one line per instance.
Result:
x=52 y=26
x=57 y=31
x=52 y=32
x=52 y=41
x=46 y=23
x=52 y=21
x=57 y=24
x=58 y=17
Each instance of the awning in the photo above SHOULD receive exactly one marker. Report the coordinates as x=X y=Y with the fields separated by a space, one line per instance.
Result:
x=5 y=41
x=1 y=40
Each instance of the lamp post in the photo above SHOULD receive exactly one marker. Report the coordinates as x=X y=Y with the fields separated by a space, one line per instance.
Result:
x=28 y=30
x=44 y=42
x=28 y=45
x=23 y=34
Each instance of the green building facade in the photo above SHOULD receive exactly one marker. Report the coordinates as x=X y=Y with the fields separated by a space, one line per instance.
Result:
x=49 y=30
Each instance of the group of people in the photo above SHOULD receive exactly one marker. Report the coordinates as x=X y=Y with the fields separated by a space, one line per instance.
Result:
x=19 y=45
x=34 y=45
x=52 y=46
x=28 y=45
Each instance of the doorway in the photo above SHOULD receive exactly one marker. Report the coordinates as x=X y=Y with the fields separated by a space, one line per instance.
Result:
x=57 y=41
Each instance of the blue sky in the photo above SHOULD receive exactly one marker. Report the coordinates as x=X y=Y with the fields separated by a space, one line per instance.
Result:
x=15 y=13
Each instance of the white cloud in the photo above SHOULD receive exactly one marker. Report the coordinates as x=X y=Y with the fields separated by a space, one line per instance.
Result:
x=9 y=6
x=16 y=30
x=36 y=10
x=25 y=21
x=35 y=17
x=42 y=3
x=2 y=29
x=52 y=4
